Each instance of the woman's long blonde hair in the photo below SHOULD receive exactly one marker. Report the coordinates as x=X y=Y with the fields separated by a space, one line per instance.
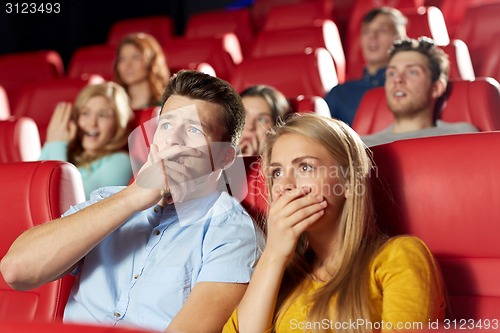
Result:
x=158 y=72
x=358 y=237
x=118 y=98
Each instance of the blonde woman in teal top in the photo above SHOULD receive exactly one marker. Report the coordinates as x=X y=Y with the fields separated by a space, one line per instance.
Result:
x=93 y=136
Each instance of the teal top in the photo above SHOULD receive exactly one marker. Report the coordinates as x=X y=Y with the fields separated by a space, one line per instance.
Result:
x=112 y=169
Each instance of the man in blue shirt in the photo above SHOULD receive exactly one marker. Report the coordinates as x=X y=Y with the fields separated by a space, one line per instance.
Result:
x=169 y=252
x=380 y=27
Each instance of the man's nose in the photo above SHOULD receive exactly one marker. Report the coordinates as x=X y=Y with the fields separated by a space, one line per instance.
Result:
x=175 y=136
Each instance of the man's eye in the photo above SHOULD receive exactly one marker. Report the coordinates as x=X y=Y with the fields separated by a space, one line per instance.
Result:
x=412 y=72
x=195 y=130
x=166 y=126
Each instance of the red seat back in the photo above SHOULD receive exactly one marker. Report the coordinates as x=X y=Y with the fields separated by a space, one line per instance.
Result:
x=310 y=104
x=143 y=127
x=476 y=102
x=297 y=15
x=427 y=21
x=34 y=193
x=293 y=75
x=28 y=327
x=222 y=53
x=444 y=190
x=18 y=69
x=160 y=27
x=478 y=29
x=19 y=140
x=460 y=61
x=323 y=33
x=491 y=62
x=4 y=105
x=219 y=22
x=95 y=59
x=38 y=100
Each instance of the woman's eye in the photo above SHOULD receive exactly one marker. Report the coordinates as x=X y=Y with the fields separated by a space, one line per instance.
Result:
x=263 y=120
x=105 y=115
x=275 y=173
x=306 y=167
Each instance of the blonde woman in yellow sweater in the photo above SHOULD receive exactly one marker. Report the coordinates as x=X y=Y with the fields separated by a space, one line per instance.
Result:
x=326 y=267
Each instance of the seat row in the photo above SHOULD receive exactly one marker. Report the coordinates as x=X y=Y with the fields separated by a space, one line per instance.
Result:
x=476 y=102
x=441 y=189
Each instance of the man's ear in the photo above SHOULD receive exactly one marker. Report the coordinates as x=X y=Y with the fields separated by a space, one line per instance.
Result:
x=438 y=88
x=226 y=157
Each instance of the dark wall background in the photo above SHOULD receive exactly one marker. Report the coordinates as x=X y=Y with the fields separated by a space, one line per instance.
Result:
x=87 y=22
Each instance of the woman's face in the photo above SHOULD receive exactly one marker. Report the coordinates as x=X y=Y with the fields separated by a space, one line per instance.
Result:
x=258 y=121
x=132 y=67
x=298 y=161
x=97 y=123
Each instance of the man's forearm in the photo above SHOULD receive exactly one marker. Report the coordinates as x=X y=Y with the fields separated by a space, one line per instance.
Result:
x=43 y=253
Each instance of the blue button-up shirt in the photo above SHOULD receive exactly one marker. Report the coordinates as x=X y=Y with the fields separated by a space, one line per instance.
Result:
x=142 y=273
x=344 y=99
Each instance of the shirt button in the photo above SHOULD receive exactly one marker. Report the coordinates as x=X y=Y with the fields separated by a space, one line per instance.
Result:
x=375 y=82
x=156 y=232
x=155 y=209
x=136 y=276
x=117 y=314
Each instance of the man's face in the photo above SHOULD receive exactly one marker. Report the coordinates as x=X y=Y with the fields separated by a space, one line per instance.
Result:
x=188 y=123
x=377 y=38
x=408 y=87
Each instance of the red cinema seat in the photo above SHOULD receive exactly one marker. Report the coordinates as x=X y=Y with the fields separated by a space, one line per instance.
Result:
x=218 y=22
x=4 y=105
x=427 y=21
x=491 y=62
x=143 y=127
x=160 y=27
x=37 y=192
x=261 y=8
x=297 y=15
x=478 y=29
x=301 y=74
x=222 y=53
x=27 y=327
x=89 y=60
x=38 y=100
x=18 y=69
x=476 y=102
x=460 y=62
x=19 y=140
x=444 y=190
x=310 y=104
x=255 y=189
x=323 y=33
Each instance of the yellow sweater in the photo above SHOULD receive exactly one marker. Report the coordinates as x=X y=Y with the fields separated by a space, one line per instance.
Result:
x=406 y=290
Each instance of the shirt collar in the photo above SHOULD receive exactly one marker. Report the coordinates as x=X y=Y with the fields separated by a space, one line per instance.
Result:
x=186 y=213
x=379 y=76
